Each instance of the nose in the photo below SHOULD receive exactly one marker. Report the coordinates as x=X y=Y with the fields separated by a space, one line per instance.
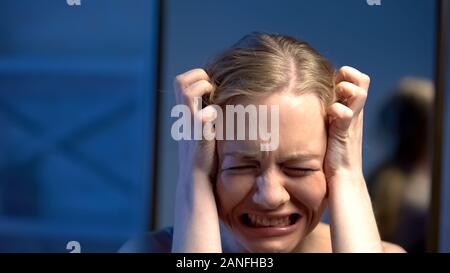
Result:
x=270 y=192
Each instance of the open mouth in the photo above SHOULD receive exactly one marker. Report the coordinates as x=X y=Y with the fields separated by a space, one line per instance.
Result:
x=262 y=221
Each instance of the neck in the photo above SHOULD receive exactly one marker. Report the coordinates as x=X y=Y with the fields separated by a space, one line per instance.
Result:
x=229 y=243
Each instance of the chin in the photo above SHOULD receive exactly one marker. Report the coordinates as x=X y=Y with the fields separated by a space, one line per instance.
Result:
x=268 y=239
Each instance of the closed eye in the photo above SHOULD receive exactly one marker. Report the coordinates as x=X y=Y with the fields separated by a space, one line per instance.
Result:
x=241 y=169
x=298 y=172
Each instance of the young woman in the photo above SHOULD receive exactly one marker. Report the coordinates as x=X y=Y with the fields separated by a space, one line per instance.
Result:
x=234 y=197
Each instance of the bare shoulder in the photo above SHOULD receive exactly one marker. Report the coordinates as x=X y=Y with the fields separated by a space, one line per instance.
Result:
x=321 y=241
x=158 y=241
x=392 y=248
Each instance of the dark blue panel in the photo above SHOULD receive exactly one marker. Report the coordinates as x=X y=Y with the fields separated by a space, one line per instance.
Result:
x=76 y=104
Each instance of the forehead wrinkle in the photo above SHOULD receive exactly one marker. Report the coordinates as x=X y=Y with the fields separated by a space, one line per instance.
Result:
x=264 y=157
x=242 y=154
x=298 y=156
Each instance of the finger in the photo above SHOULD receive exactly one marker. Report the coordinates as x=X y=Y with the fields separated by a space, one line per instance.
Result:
x=350 y=74
x=206 y=117
x=199 y=88
x=208 y=114
x=351 y=95
x=193 y=95
x=184 y=80
x=341 y=116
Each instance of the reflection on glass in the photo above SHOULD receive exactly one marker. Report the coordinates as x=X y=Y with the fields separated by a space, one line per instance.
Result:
x=401 y=185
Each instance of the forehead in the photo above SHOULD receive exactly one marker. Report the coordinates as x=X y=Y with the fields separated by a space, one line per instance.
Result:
x=301 y=125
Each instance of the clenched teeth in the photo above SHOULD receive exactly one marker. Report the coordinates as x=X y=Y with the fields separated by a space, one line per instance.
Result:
x=264 y=221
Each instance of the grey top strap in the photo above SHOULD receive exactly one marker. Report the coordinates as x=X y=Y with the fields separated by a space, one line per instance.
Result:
x=159 y=241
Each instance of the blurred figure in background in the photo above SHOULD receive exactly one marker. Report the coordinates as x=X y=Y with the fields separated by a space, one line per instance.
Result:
x=401 y=186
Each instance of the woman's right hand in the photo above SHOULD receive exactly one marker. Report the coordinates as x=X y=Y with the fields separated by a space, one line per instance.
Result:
x=196 y=156
x=196 y=227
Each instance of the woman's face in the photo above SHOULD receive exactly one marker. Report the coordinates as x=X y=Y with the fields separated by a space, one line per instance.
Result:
x=270 y=201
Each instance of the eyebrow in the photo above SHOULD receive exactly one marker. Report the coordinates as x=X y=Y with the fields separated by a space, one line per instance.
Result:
x=293 y=157
x=299 y=156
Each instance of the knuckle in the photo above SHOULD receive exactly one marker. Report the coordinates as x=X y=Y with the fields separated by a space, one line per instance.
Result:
x=346 y=89
x=201 y=70
x=352 y=93
x=179 y=78
x=340 y=86
x=346 y=69
x=350 y=113
x=362 y=93
x=366 y=78
x=203 y=83
x=198 y=86
x=178 y=81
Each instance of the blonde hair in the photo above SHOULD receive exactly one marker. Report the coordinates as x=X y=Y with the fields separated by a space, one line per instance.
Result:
x=260 y=64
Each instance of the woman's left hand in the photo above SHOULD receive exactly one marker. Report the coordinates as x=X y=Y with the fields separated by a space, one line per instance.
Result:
x=352 y=221
x=346 y=125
